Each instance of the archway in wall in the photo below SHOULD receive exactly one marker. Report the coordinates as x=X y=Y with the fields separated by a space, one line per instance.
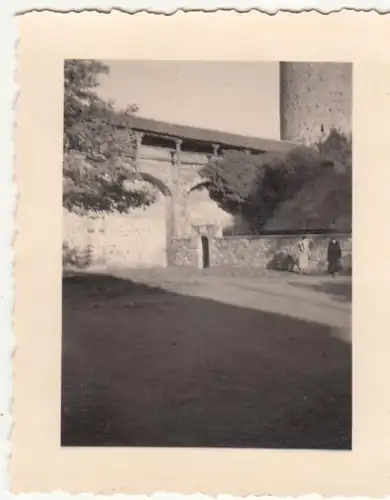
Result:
x=205 y=262
x=201 y=210
x=140 y=238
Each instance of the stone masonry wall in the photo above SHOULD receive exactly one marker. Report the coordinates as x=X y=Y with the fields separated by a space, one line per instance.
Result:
x=184 y=252
x=143 y=237
x=137 y=239
x=314 y=98
x=274 y=252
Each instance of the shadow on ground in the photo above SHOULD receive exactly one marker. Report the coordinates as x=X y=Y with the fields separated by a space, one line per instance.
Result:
x=145 y=367
x=338 y=290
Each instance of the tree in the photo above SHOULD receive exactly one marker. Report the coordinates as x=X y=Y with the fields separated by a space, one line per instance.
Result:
x=336 y=148
x=278 y=179
x=256 y=185
x=230 y=179
x=98 y=148
x=325 y=201
x=253 y=184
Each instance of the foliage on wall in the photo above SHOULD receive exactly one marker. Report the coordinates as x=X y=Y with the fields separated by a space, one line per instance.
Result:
x=257 y=186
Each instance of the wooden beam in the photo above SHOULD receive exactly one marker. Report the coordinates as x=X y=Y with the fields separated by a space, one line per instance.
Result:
x=215 y=151
x=176 y=163
x=178 y=143
x=138 y=144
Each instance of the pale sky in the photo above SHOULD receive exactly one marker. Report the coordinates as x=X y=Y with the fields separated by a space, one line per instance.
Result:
x=237 y=97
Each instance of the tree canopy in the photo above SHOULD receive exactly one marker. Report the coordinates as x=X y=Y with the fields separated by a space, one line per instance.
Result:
x=257 y=185
x=98 y=150
x=230 y=178
x=323 y=203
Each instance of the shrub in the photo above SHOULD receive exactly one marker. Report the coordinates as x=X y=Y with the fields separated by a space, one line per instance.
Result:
x=76 y=257
x=307 y=187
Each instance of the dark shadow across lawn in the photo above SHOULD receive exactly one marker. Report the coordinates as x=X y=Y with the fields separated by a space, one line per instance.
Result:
x=145 y=367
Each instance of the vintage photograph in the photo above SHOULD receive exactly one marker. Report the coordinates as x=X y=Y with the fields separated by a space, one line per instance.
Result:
x=207 y=254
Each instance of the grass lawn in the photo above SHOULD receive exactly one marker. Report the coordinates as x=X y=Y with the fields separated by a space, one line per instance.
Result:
x=143 y=366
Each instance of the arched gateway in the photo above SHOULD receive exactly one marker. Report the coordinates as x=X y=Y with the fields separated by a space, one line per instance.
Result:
x=175 y=155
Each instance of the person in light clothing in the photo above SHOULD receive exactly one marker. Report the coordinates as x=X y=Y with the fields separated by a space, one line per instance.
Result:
x=304 y=255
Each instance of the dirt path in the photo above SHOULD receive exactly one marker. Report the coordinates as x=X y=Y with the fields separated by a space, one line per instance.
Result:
x=298 y=297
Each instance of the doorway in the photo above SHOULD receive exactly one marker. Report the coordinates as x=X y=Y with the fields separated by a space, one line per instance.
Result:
x=205 y=252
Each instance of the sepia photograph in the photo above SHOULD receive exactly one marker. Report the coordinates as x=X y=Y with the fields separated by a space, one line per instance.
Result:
x=207 y=254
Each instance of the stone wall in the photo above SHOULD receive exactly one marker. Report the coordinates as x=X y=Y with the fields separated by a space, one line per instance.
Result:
x=191 y=204
x=142 y=237
x=184 y=252
x=137 y=239
x=275 y=252
x=314 y=98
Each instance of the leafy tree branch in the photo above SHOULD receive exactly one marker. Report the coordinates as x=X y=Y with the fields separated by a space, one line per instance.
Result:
x=99 y=152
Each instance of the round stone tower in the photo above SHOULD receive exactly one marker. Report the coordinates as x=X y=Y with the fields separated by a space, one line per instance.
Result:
x=314 y=97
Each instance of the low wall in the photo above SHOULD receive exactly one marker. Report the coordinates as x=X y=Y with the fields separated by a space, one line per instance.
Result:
x=184 y=252
x=272 y=252
x=275 y=251
x=138 y=239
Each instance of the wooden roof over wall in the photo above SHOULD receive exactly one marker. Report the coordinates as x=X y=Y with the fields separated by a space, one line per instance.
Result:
x=202 y=135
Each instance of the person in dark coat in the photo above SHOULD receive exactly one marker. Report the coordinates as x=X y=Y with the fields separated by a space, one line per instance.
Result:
x=334 y=256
